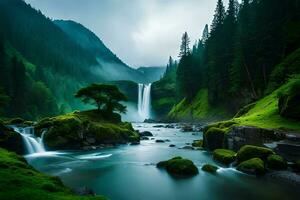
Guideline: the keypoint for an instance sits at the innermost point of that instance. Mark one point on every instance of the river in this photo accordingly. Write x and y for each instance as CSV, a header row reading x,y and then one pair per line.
x,y
128,172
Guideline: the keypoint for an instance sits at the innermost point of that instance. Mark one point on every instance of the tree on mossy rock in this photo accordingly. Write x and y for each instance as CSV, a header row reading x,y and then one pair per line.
x,y
106,97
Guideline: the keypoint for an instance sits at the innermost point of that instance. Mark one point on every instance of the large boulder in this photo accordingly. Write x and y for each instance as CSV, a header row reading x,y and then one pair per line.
x,y
276,162
209,168
224,156
146,134
82,129
179,166
253,166
239,136
197,143
11,140
248,152
213,138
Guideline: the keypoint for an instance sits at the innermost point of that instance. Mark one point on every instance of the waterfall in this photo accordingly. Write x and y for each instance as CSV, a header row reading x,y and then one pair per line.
x,y
32,143
144,100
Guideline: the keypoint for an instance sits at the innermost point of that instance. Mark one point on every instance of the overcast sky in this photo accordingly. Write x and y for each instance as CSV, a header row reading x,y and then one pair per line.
x,y
140,32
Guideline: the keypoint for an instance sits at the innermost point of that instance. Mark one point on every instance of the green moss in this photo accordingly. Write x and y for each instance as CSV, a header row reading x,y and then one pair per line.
x,y
213,138
265,113
209,168
20,181
179,166
71,131
252,166
198,109
197,143
224,156
276,162
288,103
248,151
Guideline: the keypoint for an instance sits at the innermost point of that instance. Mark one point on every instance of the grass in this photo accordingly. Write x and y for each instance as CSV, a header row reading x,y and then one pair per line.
x,y
19,181
198,109
265,113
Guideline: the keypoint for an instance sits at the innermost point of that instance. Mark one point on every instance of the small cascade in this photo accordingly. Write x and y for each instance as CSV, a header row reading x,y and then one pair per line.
x,y
32,143
144,100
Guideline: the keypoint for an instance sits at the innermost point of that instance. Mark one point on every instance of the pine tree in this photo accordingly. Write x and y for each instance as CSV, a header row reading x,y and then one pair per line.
x,y
185,45
205,34
219,16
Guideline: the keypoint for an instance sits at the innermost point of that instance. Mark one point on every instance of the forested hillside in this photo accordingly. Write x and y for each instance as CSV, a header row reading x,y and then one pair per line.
x,y
43,63
239,60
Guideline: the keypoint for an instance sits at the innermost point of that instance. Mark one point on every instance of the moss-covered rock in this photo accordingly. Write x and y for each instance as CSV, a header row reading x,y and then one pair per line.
x,y
213,138
11,140
82,129
197,143
276,162
253,166
248,151
179,166
209,168
224,156
20,181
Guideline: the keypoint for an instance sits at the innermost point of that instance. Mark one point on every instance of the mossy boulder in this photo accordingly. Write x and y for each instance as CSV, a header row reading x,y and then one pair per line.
x,y
83,129
179,166
276,162
288,102
248,151
213,138
253,166
11,140
21,181
224,156
197,143
209,168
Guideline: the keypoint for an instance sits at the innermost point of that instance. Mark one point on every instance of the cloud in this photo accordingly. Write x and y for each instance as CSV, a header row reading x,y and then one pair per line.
x,y
140,32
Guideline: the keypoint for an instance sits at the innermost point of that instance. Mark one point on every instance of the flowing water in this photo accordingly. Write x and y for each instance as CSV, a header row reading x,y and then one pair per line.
x,y
128,172
32,143
144,100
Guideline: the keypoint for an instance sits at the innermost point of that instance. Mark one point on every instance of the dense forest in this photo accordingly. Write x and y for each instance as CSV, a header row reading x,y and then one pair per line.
x,y
236,62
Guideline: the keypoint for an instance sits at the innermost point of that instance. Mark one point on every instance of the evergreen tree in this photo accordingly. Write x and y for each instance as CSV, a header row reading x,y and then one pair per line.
x,y
205,34
219,16
185,45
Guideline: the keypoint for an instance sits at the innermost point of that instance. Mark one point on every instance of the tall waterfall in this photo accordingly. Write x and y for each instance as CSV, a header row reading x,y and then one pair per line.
x,y
32,143
144,100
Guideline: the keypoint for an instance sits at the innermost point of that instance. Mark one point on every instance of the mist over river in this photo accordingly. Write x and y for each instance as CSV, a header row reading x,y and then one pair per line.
x,y
128,172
